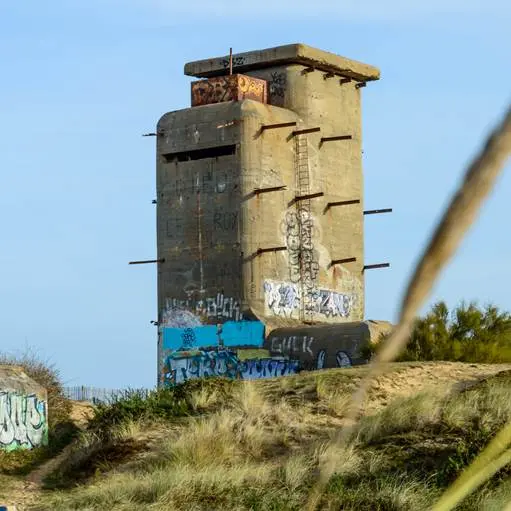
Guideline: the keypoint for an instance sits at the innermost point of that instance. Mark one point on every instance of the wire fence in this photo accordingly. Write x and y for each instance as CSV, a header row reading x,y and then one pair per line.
x,y
100,395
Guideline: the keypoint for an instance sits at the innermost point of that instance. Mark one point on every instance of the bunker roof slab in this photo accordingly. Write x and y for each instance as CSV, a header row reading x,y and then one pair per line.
x,y
282,55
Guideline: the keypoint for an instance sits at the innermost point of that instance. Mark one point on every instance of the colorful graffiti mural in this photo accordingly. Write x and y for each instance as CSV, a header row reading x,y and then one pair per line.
x,y
228,334
23,421
182,366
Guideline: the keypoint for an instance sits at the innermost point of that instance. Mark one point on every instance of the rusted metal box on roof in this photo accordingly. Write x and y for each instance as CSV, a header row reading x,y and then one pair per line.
x,y
228,88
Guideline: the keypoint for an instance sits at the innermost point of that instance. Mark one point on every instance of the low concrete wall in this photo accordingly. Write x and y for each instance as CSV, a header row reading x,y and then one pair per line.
x,y
23,410
325,346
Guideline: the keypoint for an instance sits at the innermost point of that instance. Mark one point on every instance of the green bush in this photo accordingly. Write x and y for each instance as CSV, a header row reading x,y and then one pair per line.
x,y
163,403
467,334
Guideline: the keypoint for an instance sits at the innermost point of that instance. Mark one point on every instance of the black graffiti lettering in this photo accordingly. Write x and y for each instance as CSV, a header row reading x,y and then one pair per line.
x,y
225,221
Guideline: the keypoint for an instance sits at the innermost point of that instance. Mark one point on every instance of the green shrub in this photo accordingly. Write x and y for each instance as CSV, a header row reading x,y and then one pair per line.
x,y
467,334
164,403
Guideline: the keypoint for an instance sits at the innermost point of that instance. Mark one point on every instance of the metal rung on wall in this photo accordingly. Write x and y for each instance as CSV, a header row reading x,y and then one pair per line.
x,y
162,260
308,196
342,203
342,261
305,131
279,125
339,137
273,249
258,191
374,266
376,211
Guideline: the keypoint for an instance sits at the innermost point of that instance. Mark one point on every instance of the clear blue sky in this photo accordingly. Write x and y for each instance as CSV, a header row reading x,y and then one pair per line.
x,y
81,80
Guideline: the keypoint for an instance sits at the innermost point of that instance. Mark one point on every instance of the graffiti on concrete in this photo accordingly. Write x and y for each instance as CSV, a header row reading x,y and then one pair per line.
x,y
303,264
256,368
292,343
277,84
236,61
342,359
320,362
231,333
182,366
284,299
190,313
23,421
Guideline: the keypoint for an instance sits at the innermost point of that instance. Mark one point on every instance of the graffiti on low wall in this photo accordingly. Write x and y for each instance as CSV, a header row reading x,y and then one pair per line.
x,y
23,421
284,299
292,344
182,366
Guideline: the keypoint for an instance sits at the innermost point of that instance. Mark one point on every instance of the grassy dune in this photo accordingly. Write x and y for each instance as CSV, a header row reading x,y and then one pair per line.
x,y
258,445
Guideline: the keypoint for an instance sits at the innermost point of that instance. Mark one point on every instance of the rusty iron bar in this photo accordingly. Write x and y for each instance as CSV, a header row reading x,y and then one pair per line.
x,y
272,249
279,125
342,81
376,211
342,261
308,70
328,75
360,85
342,203
230,61
162,260
339,137
305,131
374,266
257,191
299,198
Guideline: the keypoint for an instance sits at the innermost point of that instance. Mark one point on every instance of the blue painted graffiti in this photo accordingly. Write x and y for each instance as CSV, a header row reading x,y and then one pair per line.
x,y
182,366
256,368
228,334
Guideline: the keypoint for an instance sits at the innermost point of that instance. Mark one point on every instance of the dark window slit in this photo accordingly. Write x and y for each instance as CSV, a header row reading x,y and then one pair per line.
x,y
200,154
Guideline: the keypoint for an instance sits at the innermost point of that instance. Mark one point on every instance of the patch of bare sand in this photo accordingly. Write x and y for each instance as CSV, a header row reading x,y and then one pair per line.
x,y
413,378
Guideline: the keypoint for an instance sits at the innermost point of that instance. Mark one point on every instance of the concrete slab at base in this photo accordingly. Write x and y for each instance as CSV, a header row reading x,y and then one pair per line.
x,y
326,346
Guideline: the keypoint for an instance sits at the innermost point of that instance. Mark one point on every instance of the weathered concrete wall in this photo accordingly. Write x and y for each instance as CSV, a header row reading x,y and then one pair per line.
x,y
322,346
215,287
23,410
276,284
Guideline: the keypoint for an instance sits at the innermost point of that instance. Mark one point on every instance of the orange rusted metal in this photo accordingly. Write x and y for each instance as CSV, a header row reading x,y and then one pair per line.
x,y
228,88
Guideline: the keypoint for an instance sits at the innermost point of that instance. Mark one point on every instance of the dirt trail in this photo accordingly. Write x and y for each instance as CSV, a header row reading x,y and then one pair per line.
x,y
23,493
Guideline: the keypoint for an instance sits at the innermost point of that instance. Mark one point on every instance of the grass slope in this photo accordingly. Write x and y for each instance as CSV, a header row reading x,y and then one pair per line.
x,y
257,445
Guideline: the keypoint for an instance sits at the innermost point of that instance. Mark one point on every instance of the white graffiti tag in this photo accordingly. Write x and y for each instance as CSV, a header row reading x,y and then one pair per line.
x,y
189,313
292,344
285,298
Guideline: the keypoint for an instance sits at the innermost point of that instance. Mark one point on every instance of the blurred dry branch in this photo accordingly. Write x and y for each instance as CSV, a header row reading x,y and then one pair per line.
x,y
478,182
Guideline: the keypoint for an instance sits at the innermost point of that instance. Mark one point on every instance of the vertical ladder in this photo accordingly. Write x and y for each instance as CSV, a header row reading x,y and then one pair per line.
x,y
303,210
